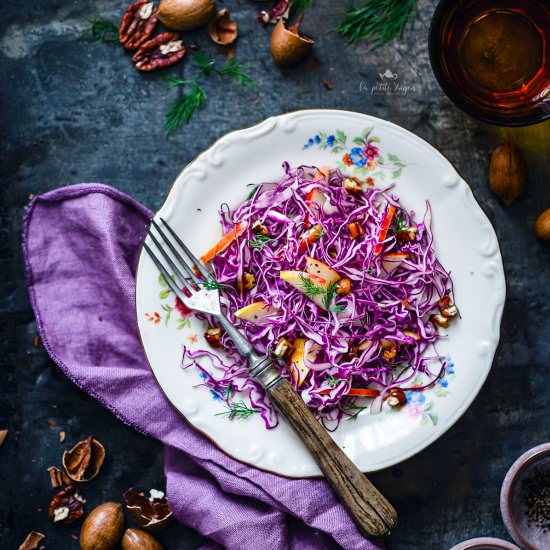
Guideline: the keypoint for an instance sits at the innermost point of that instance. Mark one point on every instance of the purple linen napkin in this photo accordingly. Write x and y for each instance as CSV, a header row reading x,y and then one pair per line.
x,y
80,248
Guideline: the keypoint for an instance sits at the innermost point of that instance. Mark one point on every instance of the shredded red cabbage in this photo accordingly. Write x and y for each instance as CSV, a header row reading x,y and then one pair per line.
x,y
382,306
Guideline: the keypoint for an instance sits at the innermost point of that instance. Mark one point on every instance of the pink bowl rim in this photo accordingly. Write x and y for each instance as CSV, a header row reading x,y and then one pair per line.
x,y
527,458
484,542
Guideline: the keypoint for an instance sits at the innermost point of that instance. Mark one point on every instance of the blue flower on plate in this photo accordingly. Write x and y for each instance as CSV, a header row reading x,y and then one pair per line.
x,y
443,382
358,157
330,140
416,398
309,143
215,396
317,139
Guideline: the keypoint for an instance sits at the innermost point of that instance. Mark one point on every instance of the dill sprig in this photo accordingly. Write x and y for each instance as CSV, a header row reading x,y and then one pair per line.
x,y
183,108
211,284
239,410
170,81
331,381
253,191
353,407
400,223
378,20
236,70
260,241
203,62
297,7
103,30
309,287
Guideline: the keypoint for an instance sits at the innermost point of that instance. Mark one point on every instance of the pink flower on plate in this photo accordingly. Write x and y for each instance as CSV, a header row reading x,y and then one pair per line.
x,y
371,151
414,412
182,309
371,164
192,338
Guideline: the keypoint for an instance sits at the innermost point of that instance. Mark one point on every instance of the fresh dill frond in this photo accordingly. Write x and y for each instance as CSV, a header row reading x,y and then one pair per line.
x,y
378,20
297,7
400,223
331,381
203,62
260,241
330,292
211,284
103,30
169,81
239,410
337,308
236,70
309,287
183,108
354,407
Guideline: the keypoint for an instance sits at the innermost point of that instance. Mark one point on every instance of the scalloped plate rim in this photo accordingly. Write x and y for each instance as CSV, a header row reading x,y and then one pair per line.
x,y
461,183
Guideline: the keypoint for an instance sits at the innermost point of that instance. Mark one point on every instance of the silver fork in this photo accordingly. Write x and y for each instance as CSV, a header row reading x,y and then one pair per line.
x,y
372,513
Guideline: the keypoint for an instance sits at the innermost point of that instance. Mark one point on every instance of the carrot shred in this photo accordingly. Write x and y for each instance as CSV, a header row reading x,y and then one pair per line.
x,y
384,229
225,241
356,392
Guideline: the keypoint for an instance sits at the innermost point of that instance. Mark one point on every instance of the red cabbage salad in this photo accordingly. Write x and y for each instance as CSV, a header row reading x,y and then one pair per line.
x,y
339,283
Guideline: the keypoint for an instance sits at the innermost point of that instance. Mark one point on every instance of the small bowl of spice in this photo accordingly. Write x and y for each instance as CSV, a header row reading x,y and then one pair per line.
x,y
525,499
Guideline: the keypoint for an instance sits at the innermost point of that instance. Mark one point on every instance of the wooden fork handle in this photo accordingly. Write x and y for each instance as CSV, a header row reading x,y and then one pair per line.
x,y
372,513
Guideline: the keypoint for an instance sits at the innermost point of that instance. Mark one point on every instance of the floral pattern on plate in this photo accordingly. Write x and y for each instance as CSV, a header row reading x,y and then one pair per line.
x,y
363,158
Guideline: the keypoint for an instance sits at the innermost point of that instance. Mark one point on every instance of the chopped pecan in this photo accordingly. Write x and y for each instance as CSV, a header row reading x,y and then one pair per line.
x,y
212,336
67,506
258,228
389,349
351,353
138,24
280,9
58,477
447,306
151,513
355,230
353,185
440,320
247,282
284,348
343,287
161,51
396,397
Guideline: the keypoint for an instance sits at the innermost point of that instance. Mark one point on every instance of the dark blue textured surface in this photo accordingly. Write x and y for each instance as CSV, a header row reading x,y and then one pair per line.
x,y
73,111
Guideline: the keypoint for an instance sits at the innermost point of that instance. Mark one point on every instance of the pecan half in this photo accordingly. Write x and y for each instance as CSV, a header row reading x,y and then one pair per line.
x,y
161,51
67,506
138,24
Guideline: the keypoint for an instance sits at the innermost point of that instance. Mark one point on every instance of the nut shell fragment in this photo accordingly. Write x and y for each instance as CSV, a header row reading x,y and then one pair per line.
x,y
222,29
31,542
287,45
136,539
152,514
84,460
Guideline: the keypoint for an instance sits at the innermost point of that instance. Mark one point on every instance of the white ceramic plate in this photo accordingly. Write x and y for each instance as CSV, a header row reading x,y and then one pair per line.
x,y
466,245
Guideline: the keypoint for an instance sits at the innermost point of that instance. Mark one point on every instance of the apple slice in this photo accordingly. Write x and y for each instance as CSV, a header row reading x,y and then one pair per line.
x,y
298,279
392,260
310,236
225,241
298,368
256,312
315,267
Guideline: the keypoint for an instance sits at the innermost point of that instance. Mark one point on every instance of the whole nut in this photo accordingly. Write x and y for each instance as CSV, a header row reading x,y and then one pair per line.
x,y
287,45
184,15
542,226
507,173
137,539
103,528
